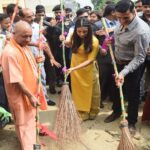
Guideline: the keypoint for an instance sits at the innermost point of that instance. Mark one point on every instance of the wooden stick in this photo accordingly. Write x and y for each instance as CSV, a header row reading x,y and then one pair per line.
x,y
13,16
39,84
62,31
116,71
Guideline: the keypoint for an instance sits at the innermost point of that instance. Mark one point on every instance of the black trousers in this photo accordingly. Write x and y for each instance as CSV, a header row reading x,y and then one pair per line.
x,y
50,73
131,90
106,78
3,97
106,72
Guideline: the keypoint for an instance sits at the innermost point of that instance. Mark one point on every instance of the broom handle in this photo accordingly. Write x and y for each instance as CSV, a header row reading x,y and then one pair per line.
x,y
116,71
63,43
13,16
39,81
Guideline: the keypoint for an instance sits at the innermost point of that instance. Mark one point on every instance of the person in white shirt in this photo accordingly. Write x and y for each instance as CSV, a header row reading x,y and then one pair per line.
x,y
27,15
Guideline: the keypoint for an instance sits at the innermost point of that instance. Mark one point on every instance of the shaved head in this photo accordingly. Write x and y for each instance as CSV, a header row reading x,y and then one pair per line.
x,y
22,33
21,26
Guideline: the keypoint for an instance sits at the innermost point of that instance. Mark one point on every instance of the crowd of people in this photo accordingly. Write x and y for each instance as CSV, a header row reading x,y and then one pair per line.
x,y
89,65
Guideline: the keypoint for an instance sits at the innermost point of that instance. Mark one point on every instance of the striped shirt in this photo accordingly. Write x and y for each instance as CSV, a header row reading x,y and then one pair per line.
x,y
131,44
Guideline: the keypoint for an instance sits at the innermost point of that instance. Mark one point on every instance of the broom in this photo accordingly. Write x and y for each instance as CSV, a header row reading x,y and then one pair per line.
x,y
37,146
67,126
126,140
40,97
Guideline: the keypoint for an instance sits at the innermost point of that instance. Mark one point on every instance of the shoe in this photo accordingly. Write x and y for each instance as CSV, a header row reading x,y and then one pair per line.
x,y
101,105
93,113
59,83
112,117
92,116
52,91
132,129
51,103
84,115
59,92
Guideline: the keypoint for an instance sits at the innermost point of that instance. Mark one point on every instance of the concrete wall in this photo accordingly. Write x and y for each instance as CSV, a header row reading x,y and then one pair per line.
x,y
49,4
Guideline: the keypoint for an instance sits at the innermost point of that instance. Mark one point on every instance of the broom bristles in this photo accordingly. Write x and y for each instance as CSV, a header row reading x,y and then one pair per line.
x,y
67,125
126,142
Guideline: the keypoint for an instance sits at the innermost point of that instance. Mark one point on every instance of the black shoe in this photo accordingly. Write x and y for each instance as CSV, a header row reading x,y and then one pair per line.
x,y
59,83
52,91
51,103
101,105
112,117
132,129
59,92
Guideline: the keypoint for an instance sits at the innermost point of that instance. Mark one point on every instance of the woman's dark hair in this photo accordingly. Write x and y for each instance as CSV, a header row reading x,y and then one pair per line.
x,y
77,41
124,5
108,10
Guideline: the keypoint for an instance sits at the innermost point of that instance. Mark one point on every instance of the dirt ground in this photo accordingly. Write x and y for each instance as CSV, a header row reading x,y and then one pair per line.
x,y
96,135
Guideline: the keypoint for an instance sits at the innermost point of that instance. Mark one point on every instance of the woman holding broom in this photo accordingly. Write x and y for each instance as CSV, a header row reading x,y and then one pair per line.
x,y
84,73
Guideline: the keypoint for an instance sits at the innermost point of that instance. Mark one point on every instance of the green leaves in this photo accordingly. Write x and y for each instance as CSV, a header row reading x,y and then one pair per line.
x,y
100,4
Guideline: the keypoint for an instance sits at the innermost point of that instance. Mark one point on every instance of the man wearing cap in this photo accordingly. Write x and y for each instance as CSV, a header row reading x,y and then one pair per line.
x,y
68,13
89,8
57,12
67,24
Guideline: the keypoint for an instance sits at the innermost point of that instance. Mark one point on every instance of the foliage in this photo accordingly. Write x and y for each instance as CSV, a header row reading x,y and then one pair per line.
x,y
100,4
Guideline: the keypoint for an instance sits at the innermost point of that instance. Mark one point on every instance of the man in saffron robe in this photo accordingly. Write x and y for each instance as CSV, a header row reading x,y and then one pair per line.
x,y
21,84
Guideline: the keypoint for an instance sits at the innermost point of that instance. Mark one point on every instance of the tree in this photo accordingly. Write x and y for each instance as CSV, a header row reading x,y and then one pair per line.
x,y
99,4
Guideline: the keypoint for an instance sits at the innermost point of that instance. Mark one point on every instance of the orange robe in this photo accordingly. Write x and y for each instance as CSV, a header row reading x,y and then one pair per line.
x,y
18,65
